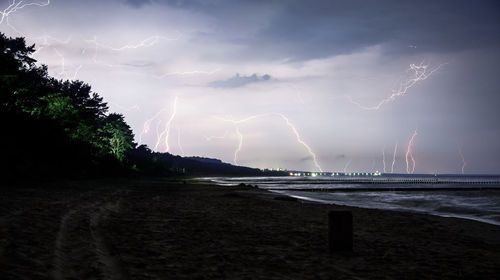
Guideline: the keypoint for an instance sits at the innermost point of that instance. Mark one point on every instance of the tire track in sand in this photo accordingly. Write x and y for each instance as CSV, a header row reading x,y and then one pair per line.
x,y
112,265
81,249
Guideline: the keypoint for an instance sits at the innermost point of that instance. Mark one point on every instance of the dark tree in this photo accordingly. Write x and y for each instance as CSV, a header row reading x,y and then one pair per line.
x,y
56,128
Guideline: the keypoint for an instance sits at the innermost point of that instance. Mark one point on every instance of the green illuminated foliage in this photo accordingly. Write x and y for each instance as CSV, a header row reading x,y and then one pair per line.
x,y
117,136
44,111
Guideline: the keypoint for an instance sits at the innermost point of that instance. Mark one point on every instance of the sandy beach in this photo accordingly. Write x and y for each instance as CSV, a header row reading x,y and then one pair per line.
x,y
154,229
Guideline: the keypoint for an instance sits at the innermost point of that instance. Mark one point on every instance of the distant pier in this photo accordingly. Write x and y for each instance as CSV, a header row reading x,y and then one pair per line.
x,y
389,189
389,182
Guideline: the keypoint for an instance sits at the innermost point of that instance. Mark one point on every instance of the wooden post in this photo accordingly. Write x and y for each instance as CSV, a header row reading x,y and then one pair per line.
x,y
340,235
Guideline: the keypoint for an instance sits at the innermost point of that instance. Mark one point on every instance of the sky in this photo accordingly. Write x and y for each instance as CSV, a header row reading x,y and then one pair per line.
x,y
356,86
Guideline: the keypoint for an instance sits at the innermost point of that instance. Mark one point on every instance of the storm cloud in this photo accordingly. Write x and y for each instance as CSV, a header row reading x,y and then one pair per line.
x,y
319,67
301,30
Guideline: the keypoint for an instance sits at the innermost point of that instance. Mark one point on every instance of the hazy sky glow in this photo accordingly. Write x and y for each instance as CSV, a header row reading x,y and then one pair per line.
x,y
290,84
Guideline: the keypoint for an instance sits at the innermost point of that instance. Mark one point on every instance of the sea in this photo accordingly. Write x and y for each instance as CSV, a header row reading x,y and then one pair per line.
x,y
469,197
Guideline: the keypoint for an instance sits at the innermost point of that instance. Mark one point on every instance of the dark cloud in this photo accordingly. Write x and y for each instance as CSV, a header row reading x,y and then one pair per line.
x,y
303,30
337,27
239,81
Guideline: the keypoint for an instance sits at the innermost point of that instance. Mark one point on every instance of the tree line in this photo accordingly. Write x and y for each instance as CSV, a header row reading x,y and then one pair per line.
x,y
61,128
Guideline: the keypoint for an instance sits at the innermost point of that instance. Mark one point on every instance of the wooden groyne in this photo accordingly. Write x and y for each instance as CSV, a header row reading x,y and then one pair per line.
x,y
387,184
417,181
379,189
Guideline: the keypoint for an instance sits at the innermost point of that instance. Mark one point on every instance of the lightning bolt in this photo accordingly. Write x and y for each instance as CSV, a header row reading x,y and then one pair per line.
x,y
147,42
238,133
158,133
383,157
147,125
394,157
96,48
347,165
166,131
299,139
46,44
464,163
419,72
288,123
240,145
179,141
13,7
409,154
63,63
77,70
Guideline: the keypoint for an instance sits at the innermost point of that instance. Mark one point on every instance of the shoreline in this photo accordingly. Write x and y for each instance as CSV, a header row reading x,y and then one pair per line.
x,y
313,193
150,229
406,210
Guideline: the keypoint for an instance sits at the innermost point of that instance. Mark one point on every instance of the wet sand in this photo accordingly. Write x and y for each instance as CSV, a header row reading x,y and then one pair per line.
x,y
152,229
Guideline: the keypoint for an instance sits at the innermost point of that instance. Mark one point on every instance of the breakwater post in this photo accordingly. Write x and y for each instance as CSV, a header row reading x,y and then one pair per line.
x,y
340,235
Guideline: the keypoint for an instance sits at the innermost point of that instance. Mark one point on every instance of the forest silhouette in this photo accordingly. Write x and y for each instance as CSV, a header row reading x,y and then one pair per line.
x,y
62,129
